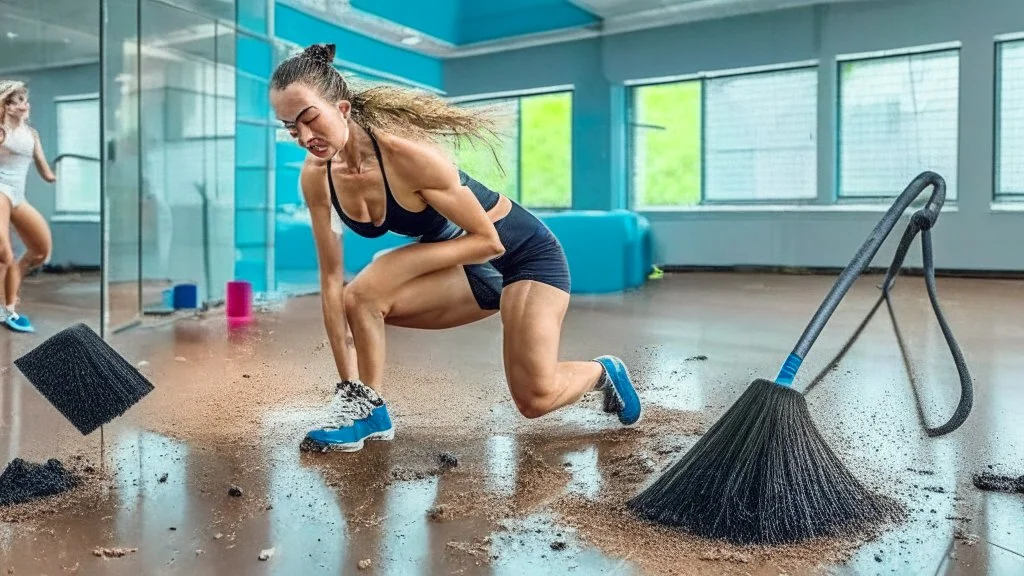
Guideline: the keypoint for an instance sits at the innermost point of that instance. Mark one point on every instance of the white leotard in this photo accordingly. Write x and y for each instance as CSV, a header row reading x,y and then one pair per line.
x,y
15,158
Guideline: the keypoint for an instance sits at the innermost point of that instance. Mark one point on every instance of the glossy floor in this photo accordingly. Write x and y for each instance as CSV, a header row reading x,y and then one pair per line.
x,y
232,403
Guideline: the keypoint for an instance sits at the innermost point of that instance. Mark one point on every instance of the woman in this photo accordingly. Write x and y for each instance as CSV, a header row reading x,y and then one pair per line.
x,y
19,147
373,158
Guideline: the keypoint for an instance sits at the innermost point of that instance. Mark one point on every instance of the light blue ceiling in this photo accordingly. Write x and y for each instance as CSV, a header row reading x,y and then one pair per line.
x,y
461,22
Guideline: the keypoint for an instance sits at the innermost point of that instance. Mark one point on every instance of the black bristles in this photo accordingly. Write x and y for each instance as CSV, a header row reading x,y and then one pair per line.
x,y
83,377
763,475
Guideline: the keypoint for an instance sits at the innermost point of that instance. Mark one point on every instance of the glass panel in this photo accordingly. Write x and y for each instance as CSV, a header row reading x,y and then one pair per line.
x,y
545,141
53,48
187,139
497,169
121,173
898,117
666,142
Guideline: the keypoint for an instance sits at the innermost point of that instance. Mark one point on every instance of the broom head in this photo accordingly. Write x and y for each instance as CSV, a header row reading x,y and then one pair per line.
x,y
763,475
83,377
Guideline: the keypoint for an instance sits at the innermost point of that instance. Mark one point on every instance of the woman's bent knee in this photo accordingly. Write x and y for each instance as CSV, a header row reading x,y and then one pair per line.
x,y
35,259
361,297
534,395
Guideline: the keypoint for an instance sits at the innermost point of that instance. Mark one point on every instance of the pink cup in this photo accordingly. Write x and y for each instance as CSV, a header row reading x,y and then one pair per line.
x,y
239,299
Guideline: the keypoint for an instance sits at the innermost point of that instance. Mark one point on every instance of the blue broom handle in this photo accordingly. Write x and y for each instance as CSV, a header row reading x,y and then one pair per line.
x,y
924,219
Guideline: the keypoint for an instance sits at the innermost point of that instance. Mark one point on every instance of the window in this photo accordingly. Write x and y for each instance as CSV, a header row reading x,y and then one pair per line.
x,y
535,151
760,136
897,118
725,138
666,141
1010,128
78,176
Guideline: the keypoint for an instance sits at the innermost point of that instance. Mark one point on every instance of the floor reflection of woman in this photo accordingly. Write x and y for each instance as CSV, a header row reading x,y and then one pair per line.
x,y
19,148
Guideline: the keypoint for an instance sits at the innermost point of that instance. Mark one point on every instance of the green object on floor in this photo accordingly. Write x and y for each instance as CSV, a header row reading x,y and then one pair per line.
x,y
656,273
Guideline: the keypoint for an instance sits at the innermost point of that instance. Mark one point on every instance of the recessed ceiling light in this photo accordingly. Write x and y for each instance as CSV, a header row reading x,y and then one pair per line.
x,y
12,35
411,40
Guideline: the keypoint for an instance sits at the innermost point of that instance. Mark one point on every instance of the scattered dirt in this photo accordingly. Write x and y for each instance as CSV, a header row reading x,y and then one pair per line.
x,y
698,358
478,548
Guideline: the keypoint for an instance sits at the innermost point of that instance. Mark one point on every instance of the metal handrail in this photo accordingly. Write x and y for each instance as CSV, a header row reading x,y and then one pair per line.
x,y
75,156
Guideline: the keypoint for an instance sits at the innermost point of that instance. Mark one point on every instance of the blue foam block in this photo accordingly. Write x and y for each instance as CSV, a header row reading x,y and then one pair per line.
x,y
186,296
608,251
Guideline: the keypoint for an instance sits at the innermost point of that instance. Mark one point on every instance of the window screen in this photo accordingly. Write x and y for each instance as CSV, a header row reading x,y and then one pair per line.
x,y
897,118
760,136
1010,159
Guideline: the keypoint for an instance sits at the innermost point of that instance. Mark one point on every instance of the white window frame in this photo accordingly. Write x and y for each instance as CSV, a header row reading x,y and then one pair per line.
x,y
66,209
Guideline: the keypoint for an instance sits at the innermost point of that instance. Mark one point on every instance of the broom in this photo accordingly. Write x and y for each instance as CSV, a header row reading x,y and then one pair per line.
x,y
83,377
763,474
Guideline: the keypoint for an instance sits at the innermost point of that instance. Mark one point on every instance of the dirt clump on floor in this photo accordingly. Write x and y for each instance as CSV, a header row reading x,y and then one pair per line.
x,y
113,552
998,483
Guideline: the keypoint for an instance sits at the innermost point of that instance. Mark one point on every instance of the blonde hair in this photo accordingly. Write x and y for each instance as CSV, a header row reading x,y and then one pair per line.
x,y
402,111
8,90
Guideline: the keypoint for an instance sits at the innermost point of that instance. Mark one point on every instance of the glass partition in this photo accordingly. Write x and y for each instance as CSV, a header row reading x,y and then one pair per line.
x,y
169,118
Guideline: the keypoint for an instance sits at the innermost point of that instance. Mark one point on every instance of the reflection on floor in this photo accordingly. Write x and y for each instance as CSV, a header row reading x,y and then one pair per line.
x,y
232,404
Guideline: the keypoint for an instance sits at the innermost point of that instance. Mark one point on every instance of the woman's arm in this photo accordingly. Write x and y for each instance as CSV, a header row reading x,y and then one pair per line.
x,y
332,277
41,164
437,180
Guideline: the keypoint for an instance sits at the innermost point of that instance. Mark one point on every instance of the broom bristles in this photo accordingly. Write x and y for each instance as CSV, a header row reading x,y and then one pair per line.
x,y
763,475
83,377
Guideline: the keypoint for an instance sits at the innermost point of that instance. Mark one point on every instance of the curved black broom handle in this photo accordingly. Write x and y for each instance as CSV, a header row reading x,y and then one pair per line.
x,y
925,218
966,402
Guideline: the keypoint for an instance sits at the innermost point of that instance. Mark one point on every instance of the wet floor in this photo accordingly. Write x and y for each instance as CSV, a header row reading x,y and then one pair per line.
x,y
527,497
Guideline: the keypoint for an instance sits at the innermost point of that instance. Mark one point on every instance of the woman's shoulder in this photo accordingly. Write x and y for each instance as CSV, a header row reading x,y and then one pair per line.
x,y
415,157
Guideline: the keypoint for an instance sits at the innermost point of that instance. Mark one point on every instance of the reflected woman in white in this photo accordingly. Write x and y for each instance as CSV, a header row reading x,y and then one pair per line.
x,y
19,147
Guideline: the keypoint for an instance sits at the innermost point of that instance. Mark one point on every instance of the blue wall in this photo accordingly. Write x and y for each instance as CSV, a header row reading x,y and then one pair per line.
x,y
436,18
482,20
296,26
974,233
467,21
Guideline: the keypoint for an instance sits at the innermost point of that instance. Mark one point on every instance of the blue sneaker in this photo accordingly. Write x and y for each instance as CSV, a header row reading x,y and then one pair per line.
x,y
364,415
620,396
350,438
19,323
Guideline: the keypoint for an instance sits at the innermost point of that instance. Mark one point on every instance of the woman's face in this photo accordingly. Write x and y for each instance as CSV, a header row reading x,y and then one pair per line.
x,y
317,125
16,106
